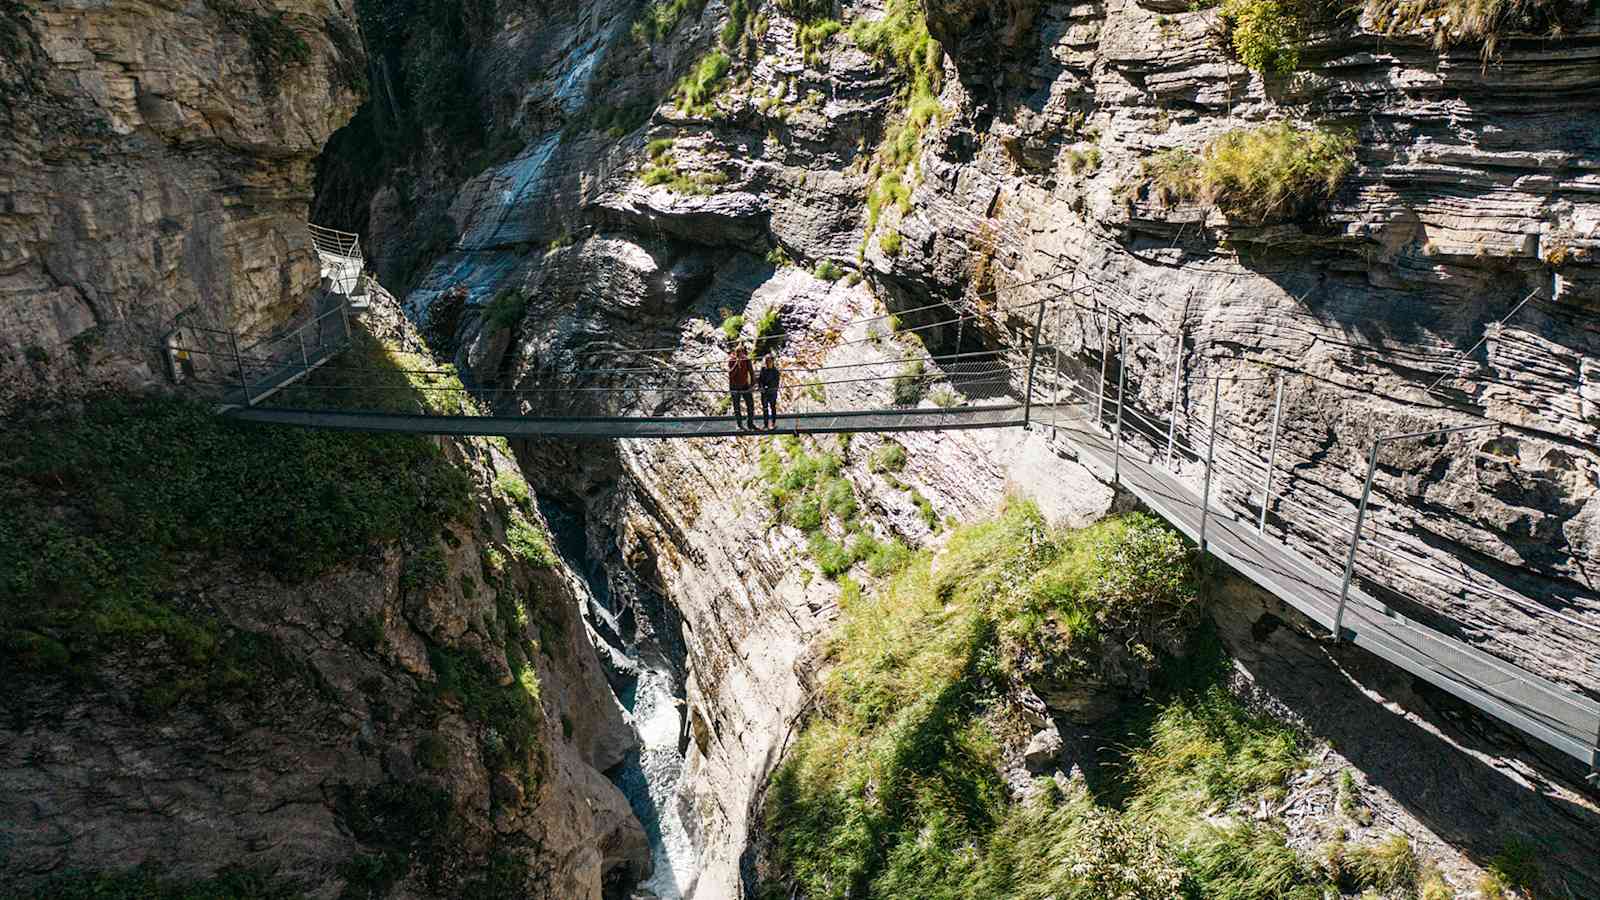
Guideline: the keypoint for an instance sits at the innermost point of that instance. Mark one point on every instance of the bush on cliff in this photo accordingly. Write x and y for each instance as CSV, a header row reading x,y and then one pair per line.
x,y
1275,170
895,788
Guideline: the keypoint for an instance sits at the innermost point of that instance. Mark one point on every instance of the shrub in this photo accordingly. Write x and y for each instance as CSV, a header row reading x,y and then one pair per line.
x,y
1485,21
895,787
528,544
1144,572
658,19
828,271
659,147
811,37
732,327
1276,170
891,457
839,499
1391,865
1174,176
1515,866
697,89
767,327
910,384
506,310
886,558
832,557
1264,35
514,488
891,243
945,398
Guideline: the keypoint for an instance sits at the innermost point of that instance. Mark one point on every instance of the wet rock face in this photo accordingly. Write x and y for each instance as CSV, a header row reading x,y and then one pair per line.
x,y
155,157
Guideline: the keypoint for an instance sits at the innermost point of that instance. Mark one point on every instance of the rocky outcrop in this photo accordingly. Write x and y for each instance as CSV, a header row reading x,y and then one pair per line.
x,y
154,157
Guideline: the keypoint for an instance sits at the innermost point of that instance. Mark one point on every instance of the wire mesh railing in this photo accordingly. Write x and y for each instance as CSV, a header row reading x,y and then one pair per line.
x,y
1264,483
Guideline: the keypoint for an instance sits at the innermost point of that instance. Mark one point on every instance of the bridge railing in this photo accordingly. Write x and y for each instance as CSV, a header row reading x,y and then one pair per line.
x,y
1254,478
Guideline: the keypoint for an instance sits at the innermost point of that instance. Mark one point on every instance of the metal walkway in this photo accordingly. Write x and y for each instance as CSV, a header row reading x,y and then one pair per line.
x,y
1556,715
596,428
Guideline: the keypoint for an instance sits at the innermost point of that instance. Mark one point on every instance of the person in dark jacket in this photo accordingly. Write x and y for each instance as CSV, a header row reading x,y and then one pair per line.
x,y
769,378
741,378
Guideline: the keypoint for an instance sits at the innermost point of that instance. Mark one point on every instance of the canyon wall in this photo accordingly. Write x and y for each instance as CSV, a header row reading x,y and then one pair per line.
x,y
157,157
653,197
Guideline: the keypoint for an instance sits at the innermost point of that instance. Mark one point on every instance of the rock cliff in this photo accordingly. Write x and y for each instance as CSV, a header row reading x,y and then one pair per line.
x,y
610,177
374,688
157,156
689,162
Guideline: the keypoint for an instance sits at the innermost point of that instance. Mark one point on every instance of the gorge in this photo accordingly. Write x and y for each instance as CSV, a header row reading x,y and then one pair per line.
x,y
259,661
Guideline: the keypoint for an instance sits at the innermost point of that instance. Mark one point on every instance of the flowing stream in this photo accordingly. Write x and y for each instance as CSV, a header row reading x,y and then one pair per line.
x,y
643,655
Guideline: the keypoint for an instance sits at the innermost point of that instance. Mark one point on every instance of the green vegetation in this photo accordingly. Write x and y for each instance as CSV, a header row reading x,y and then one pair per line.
x,y
910,385
697,90
769,330
1478,21
505,310
274,46
732,327
529,544
1516,866
890,243
895,789
1265,35
509,714
891,457
664,170
779,258
1276,169
812,36
1086,162
109,507
149,883
901,42
806,491
661,17
1391,865
1173,175
945,397
828,271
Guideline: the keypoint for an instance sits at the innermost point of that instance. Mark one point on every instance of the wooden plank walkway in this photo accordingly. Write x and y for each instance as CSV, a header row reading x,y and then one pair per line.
x,y
1556,715
597,428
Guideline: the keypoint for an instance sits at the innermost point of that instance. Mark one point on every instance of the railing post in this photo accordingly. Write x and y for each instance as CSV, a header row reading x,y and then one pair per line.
x,y
1033,360
1355,541
1122,401
1211,451
1105,357
1055,401
305,359
1272,458
1177,388
344,317
238,361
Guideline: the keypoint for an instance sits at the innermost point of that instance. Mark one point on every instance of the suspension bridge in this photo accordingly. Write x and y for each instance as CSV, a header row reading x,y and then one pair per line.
x,y
1046,364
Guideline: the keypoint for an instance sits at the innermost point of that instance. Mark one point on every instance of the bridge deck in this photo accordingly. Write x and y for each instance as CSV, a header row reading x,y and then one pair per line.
x,y
592,428
1556,715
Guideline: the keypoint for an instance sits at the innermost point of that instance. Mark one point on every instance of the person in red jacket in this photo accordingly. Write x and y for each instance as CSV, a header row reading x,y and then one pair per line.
x,y
741,380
